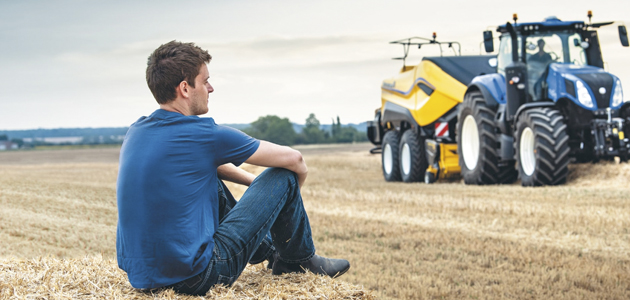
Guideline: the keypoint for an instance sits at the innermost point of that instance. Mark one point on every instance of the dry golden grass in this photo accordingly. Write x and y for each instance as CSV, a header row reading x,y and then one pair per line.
x,y
95,278
405,241
66,210
449,240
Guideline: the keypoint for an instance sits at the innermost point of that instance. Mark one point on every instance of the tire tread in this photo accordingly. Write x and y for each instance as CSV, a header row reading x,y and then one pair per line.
x,y
488,169
551,145
392,138
418,157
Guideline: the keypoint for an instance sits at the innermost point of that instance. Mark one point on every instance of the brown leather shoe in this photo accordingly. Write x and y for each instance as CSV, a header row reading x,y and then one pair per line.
x,y
317,265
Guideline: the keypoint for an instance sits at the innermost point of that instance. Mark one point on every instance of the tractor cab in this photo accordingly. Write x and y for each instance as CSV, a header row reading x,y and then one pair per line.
x,y
555,60
551,41
540,44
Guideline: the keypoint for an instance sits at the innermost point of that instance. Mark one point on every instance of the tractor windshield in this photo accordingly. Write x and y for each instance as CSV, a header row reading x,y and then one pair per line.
x,y
561,47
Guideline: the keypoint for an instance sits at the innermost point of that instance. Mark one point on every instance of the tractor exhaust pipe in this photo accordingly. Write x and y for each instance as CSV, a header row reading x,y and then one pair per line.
x,y
515,79
514,38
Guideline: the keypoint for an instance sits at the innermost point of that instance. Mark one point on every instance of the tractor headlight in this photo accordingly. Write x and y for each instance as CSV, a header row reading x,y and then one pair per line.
x,y
617,97
583,95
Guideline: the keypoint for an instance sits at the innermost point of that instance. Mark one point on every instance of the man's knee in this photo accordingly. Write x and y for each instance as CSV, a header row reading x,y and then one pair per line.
x,y
280,174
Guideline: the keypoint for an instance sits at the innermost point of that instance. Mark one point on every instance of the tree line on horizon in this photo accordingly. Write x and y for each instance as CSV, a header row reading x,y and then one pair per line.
x,y
280,131
270,128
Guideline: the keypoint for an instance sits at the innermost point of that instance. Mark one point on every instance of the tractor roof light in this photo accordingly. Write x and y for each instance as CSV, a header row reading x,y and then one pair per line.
x,y
583,95
617,98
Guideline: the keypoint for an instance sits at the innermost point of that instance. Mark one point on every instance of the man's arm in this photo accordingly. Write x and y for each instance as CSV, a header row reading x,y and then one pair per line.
x,y
235,174
272,155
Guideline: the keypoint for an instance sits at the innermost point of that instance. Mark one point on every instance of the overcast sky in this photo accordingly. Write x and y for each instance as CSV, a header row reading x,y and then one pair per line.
x,y
82,63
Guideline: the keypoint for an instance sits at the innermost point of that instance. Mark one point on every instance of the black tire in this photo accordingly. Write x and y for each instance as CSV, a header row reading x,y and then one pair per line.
x,y
389,156
480,162
542,147
412,157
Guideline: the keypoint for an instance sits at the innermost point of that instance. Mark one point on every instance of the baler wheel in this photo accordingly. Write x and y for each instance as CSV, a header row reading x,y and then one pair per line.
x,y
390,156
413,158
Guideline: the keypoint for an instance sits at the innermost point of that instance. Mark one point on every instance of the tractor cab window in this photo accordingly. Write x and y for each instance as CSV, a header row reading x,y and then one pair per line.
x,y
560,47
504,57
541,50
577,50
544,49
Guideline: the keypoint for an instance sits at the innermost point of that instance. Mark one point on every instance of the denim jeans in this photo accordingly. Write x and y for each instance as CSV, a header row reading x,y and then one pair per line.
x,y
269,217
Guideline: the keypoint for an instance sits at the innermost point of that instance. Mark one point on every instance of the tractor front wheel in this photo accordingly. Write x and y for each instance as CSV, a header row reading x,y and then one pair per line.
x,y
542,147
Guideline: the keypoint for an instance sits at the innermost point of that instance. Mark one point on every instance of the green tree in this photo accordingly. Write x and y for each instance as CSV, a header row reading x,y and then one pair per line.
x,y
273,129
346,134
312,133
311,121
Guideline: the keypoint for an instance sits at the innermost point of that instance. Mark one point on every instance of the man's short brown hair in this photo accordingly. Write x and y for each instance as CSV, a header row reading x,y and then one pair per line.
x,y
171,64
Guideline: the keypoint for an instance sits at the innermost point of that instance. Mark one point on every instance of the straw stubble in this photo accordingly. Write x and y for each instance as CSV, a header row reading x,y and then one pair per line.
x,y
405,241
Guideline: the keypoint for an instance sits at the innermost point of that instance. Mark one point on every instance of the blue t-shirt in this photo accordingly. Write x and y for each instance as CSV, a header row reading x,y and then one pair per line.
x,y
167,195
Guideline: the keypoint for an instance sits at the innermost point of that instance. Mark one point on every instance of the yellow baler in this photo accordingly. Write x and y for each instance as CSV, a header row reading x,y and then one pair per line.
x,y
415,126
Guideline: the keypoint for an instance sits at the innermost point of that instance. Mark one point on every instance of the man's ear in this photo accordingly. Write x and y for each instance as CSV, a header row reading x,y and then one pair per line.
x,y
183,89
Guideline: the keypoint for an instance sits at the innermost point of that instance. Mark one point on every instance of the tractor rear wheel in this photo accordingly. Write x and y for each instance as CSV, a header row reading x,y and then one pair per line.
x,y
478,145
542,147
389,156
413,159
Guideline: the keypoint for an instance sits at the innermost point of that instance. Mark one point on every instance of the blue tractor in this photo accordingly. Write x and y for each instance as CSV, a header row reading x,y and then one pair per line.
x,y
550,103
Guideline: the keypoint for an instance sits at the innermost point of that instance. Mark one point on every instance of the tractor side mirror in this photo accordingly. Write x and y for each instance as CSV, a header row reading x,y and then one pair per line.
x,y
623,35
488,41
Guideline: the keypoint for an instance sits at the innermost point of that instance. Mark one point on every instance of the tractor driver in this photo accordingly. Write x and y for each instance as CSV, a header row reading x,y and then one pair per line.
x,y
537,64
541,56
178,225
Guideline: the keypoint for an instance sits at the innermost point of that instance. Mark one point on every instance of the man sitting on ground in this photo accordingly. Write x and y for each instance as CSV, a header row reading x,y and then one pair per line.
x,y
178,225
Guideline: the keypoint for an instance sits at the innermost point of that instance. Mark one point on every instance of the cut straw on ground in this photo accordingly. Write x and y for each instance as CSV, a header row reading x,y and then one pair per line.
x,y
93,277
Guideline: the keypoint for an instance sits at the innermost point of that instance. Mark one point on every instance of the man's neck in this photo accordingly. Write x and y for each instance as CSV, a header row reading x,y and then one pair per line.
x,y
176,106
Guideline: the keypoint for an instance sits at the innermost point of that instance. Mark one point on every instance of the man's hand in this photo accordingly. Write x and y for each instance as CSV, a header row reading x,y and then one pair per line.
x,y
272,155
235,174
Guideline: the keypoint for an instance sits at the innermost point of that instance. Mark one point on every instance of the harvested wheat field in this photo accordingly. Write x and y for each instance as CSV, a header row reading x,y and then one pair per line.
x,y
95,278
405,241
